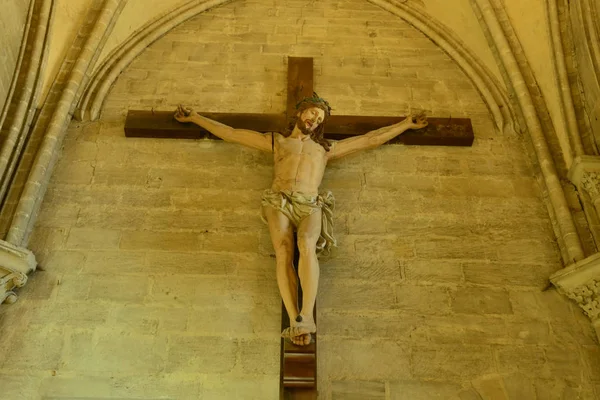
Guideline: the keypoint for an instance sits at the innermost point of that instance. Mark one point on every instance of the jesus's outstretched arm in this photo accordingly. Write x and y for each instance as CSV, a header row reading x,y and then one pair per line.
x,y
377,137
245,137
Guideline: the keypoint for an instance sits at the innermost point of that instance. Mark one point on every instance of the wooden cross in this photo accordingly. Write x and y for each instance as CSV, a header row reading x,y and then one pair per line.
x,y
298,373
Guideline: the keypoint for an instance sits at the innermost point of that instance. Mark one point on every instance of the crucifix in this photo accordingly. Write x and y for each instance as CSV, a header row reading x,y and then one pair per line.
x,y
298,216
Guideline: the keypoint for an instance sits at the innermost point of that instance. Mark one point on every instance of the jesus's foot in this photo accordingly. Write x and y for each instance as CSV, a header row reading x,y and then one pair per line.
x,y
299,333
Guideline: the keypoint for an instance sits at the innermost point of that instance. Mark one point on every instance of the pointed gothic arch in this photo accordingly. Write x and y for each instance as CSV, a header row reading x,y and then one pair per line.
x,y
493,94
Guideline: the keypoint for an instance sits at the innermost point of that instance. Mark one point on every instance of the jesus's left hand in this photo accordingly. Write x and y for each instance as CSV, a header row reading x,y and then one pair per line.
x,y
416,120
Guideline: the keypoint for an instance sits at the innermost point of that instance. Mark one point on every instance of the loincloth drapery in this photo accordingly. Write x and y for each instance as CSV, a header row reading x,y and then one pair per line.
x,y
297,206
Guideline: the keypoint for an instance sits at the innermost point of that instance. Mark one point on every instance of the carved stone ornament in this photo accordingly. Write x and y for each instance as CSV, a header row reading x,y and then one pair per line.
x,y
581,282
585,174
15,264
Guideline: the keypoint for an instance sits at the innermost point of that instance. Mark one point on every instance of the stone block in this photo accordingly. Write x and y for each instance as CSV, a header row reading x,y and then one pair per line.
x,y
547,305
363,267
115,175
44,240
528,251
74,173
65,261
245,220
361,360
125,289
124,353
419,271
58,387
573,334
201,354
115,262
390,325
356,296
77,354
357,390
468,329
475,186
147,320
367,224
481,301
592,362
194,263
393,181
20,387
422,299
146,198
565,362
217,199
160,240
89,238
58,216
37,348
386,246
528,360
103,217
519,387
418,390
490,166
257,387
73,287
230,242
559,389
469,394
42,285
467,248
529,331
490,388
340,179
451,362
260,356
502,274
189,290
244,320
195,220
156,386
449,166
526,187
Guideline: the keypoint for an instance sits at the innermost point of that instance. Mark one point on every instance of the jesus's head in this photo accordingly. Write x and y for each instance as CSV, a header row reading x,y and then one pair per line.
x,y
311,115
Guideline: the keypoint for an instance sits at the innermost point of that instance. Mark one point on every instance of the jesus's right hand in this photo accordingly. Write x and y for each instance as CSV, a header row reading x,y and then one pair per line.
x,y
184,114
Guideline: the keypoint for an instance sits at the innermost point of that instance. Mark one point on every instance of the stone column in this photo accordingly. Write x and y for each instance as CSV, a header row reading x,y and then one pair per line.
x,y
15,264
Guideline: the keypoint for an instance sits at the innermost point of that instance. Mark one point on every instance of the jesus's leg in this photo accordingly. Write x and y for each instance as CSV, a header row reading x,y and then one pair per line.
x,y
308,267
282,237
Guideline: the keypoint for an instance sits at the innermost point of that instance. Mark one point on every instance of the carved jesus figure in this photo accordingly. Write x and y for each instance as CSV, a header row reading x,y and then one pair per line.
x,y
293,203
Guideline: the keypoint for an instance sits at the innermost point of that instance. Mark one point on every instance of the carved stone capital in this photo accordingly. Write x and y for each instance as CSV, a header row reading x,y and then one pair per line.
x,y
585,174
581,283
15,264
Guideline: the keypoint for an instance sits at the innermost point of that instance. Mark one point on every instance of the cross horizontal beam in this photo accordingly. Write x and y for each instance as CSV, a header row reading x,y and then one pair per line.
x,y
161,124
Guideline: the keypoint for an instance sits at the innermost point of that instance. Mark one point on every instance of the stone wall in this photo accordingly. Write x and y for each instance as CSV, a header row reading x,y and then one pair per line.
x,y
12,23
159,275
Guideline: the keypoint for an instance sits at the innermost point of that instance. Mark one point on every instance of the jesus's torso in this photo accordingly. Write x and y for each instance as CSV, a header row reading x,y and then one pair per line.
x,y
299,164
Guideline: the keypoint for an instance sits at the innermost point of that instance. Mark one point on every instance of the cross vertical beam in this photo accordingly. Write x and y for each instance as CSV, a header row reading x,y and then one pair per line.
x,y
298,364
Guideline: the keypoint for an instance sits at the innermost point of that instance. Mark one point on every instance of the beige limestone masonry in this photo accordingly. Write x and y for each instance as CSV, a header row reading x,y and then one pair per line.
x,y
159,275
459,18
12,23
69,16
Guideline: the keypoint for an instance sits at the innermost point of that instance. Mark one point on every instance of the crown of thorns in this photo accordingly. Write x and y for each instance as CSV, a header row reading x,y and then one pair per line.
x,y
317,101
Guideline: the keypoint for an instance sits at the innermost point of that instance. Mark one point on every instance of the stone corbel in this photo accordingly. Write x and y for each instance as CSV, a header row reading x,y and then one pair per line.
x,y
15,264
585,174
581,282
